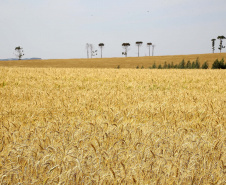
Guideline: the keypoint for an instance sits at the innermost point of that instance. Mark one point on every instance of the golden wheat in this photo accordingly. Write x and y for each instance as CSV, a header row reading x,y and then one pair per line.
x,y
112,126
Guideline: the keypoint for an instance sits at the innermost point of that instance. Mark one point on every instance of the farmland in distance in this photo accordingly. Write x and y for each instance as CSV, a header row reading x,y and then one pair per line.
x,y
126,62
109,126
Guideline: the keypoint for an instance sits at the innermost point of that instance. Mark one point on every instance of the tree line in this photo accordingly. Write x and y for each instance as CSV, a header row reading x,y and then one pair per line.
x,y
217,64
182,65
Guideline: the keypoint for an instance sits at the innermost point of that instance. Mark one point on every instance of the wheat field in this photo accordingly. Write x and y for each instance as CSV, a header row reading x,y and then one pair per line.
x,y
112,126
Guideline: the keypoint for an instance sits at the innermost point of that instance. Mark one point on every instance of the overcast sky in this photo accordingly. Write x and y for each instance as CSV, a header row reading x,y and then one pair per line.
x,y
61,28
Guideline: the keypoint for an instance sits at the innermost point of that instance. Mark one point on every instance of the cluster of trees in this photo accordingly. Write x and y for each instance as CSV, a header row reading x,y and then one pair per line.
x,y
182,65
219,64
221,38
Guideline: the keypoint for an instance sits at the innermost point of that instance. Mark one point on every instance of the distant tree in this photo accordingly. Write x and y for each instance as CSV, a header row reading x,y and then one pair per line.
x,y
149,46
188,65
125,46
213,44
222,64
172,65
193,65
139,43
19,52
219,64
169,66
160,66
165,65
182,64
205,65
221,42
101,45
154,66
215,64
197,63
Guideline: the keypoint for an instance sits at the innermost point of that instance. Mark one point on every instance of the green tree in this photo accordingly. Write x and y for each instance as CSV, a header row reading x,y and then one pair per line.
x,y
182,64
154,66
215,64
205,65
188,65
222,64
172,65
165,65
219,64
193,65
197,63
160,66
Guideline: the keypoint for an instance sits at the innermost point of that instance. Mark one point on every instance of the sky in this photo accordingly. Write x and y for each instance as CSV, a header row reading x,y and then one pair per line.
x,y
60,29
